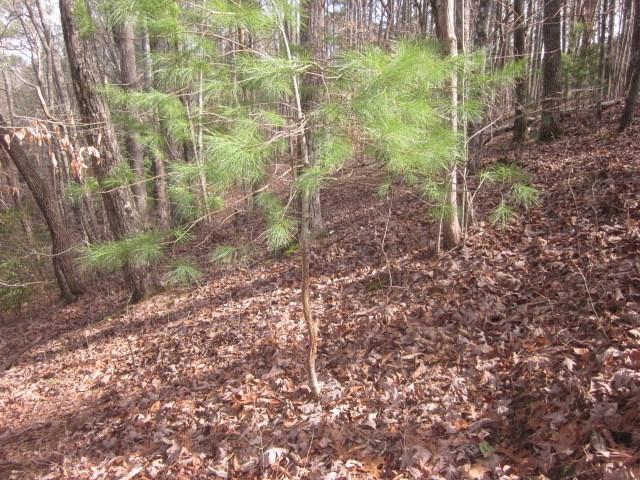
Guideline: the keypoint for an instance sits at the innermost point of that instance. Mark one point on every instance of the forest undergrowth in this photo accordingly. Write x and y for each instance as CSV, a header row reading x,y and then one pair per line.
x,y
514,356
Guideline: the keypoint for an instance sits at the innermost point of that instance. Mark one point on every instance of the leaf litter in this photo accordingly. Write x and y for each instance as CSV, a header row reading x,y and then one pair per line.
x,y
515,356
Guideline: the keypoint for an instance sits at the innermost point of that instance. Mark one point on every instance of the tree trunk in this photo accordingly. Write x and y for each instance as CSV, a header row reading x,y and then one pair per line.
x,y
634,73
312,39
16,197
479,36
68,278
11,178
84,213
123,216
601,55
520,122
609,54
445,15
124,34
304,237
551,86
163,211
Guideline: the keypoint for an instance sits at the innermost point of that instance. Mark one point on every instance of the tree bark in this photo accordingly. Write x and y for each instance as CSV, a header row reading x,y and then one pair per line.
x,y
445,15
312,38
551,86
601,55
634,73
163,211
67,276
85,213
304,162
124,34
520,122
16,197
479,36
122,214
11,178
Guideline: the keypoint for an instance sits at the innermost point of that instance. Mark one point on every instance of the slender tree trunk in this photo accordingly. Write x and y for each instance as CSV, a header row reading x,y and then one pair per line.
x,y
520,122
634,73
479,36
163,211
124,34
62,245
85,213
609,55
304,238
551,86
445,11
312,38
601,56
124,218
535,48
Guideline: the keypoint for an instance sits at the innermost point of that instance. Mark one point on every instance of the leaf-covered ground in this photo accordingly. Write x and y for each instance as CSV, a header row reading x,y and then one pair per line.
x,y
514,356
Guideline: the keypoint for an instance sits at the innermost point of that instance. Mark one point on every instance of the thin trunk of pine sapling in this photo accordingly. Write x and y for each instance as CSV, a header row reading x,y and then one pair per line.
x,y
312,328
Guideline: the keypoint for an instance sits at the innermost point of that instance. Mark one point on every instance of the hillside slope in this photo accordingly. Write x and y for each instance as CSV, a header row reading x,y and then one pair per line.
x,y
515,355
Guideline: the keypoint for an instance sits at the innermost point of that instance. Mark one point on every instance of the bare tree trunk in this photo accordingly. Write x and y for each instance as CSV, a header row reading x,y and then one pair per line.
x,y
11,178
304,237
479,36
601,56
634,73
312,38
520,122
535,51
85,213
445,11
609,55
124,34
123,216
551,86
163,211
68,278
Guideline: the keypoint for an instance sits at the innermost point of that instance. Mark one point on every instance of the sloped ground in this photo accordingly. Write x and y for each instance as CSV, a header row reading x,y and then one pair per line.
x,y
513,356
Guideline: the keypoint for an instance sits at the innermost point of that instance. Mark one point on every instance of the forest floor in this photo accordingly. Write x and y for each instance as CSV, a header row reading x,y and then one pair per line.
x,y
515,356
